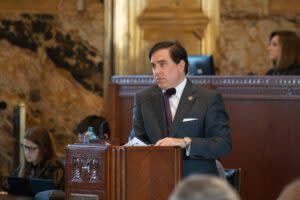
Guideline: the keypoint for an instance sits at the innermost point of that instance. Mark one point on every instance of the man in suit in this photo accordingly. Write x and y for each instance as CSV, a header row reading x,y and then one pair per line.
x,y
197,119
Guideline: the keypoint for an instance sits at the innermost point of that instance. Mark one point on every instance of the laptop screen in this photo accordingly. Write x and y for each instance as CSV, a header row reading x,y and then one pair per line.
x,y
39,185
28,186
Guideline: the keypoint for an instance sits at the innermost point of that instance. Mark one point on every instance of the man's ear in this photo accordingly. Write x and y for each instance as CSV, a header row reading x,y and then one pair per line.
x,y
181,65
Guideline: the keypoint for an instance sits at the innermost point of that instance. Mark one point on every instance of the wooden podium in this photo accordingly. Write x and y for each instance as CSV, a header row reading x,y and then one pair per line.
x,y
97,171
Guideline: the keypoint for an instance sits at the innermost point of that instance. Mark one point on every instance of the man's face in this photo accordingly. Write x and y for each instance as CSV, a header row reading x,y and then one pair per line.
x,y
166,72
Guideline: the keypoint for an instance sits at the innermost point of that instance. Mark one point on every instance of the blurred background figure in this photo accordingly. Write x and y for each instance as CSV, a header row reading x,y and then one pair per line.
x,y
284,53
291,191
92,121
204,187
40,160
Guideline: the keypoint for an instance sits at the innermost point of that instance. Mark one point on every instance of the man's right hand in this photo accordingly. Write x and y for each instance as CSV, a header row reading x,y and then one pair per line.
x,y
168,141
3,192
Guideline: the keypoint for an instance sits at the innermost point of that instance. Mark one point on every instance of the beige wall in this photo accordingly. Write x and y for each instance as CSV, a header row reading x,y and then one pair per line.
x,y
245,29
51,59
32,6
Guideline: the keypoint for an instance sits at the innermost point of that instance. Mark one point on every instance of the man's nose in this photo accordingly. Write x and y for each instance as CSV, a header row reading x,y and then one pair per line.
x,y
157,70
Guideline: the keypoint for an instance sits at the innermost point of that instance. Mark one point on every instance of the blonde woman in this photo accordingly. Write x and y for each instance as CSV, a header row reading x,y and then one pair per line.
x,y
284,53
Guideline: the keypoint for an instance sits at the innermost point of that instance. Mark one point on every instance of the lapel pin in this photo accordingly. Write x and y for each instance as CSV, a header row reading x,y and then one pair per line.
x,y
190,98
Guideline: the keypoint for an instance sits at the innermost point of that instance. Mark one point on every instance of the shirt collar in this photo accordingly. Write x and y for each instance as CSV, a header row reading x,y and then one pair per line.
x,y
180,87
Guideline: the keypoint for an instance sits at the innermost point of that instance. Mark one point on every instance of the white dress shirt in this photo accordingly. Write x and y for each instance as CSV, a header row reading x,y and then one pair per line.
x,y
174,99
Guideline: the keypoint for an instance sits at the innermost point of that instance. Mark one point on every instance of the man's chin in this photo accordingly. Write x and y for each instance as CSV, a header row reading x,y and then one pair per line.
x,y
162,86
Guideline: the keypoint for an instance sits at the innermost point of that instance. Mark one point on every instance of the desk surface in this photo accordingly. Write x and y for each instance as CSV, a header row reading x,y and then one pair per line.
x,y
14,197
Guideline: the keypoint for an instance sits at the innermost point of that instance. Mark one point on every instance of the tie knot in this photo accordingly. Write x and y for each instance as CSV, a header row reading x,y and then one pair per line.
x,y
169,92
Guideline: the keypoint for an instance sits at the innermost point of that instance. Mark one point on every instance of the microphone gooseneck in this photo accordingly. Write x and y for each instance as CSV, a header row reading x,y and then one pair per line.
x,y
170,91
101,130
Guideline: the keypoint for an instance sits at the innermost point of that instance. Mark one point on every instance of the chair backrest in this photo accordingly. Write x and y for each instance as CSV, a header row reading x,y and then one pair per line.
x,y
233,176
201,65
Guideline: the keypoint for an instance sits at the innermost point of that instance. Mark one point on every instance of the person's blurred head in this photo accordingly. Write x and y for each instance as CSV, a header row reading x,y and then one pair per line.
x,y
169,63
274,48
31,151
291,191
204,187
284,49
39,149
38,145
93,121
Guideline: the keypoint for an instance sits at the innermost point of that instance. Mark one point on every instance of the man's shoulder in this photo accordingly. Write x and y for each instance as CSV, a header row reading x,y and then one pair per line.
x,y
148,91
203,91
203,94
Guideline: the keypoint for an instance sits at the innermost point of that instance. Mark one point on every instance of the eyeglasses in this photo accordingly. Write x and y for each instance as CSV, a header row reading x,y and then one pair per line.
x,y
30,149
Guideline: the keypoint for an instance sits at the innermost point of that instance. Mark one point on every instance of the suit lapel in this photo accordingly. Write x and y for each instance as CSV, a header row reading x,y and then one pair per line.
x,y
186,101
158,108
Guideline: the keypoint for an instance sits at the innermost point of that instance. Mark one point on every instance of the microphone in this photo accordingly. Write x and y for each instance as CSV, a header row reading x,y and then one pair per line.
x,y
169,92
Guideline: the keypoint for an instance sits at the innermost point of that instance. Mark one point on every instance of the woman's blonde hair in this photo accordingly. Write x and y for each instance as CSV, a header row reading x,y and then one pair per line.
x,y
289,44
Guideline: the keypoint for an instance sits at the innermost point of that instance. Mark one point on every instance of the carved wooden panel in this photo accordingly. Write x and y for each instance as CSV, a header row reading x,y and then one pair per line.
x,y
85,166
128,173
87,169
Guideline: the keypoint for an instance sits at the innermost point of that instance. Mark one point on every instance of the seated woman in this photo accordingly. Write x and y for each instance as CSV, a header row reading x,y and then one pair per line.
x,y
284,53
40,160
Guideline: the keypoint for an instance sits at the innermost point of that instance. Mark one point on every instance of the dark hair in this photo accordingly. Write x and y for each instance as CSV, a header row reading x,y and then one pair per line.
x,y
289,43
94,121
47,151
176,50
204,187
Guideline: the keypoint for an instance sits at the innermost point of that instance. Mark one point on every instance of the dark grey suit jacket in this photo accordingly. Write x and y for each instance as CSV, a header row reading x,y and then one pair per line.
x,y
210,133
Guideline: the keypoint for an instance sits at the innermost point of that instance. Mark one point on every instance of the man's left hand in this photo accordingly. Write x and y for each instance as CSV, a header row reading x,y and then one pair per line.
x,y
171,142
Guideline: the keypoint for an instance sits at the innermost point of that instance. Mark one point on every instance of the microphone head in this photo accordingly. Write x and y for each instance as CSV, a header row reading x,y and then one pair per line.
x,y
170,91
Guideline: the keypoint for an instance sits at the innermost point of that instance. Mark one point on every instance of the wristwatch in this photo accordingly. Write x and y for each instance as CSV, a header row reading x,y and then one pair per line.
x,y
187,141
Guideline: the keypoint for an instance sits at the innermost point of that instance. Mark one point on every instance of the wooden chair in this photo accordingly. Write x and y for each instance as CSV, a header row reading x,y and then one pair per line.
x,y
233,176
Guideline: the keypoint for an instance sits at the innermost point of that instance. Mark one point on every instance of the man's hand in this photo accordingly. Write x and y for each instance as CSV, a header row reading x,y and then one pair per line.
x,y
3,192
171,142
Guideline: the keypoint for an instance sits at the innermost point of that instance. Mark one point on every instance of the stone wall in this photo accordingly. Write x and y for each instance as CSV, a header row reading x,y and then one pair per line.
x,y
245,29
53,63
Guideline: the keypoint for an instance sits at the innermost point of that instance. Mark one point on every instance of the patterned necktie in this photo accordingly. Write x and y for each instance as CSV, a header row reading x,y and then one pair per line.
x,y
168,112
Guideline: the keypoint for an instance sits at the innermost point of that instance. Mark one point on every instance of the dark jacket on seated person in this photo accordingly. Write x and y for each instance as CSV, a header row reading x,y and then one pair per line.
x,y
52,170
284,52
40,159
292,70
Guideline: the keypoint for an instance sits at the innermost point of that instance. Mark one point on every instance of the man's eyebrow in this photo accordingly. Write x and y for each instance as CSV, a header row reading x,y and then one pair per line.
x,y
160,61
